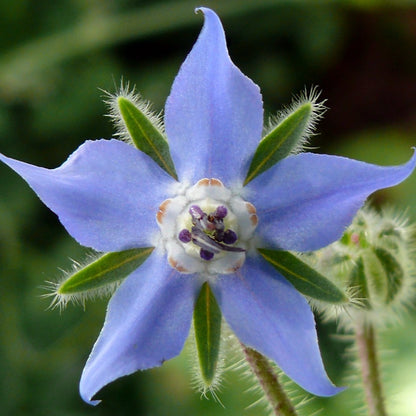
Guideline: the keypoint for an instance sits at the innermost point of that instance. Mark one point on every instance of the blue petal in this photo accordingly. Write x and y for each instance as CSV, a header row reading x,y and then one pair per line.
x,y
306,201
106,194
268,314
214,113
147,322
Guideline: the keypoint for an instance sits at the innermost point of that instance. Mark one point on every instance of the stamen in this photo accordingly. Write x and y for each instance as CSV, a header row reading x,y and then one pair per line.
x,y
208,232
204,241
185,236
221,212
229,237
206,255
196,212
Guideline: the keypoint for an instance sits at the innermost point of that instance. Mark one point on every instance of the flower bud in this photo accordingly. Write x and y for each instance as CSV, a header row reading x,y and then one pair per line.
x,y
373,261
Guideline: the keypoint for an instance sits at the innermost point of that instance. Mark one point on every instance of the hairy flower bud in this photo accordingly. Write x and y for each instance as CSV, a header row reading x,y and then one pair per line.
x,y
373,261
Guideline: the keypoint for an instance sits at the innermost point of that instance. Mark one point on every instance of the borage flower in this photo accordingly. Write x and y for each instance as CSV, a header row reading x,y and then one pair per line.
x,y
207,228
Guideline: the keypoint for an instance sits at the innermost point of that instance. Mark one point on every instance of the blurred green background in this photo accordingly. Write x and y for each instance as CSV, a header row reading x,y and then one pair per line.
x,y
54,59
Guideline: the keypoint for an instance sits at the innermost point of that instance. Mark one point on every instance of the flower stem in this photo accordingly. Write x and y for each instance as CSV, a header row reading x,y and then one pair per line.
x,y
370,372
269,382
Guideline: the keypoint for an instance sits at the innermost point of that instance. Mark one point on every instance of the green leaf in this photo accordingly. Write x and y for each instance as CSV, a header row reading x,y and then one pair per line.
x,y
207,325
106,270
281,141
145,135
303,277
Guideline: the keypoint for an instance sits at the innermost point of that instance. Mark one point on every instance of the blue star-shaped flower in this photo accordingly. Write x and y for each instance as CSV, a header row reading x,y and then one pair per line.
x,y
206,228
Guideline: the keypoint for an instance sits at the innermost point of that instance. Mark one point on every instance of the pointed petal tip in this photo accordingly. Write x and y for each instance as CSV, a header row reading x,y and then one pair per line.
x,y
87,391
213,24
405,170
328,390
412,161
204,10
410,165
88,399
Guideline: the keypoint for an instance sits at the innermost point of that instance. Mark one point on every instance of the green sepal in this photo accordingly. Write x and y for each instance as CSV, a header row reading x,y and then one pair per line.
x,y
146,136
303,277
375,275
358,282
394,272
384,273
281,141
207,326
107,269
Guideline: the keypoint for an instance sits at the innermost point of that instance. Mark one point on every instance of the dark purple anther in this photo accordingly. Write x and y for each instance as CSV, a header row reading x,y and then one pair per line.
x,y
229,237
220,212
196,212
205,254
185,236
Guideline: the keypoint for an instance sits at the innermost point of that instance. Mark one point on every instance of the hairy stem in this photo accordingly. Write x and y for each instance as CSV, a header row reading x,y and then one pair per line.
x,y
269,382
370,372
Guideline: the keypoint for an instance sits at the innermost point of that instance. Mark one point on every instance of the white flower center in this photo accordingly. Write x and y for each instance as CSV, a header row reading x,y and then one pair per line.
x,y
206,229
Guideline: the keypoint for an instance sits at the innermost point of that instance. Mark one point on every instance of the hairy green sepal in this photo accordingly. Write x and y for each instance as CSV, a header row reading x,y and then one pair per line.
x,y
394,273
108,269
281,141
207,325
358,281
303,277
383,275
146,136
